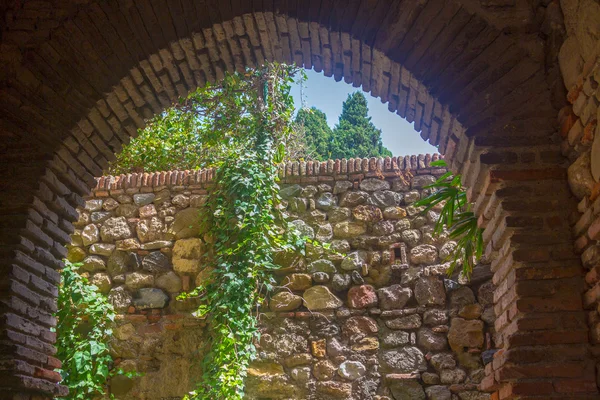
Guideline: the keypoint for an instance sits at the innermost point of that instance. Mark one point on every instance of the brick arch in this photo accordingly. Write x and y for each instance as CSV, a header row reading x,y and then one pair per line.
x,y
81,85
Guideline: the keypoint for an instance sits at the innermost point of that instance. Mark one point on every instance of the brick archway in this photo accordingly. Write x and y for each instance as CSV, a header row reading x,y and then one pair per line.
x,y
78,81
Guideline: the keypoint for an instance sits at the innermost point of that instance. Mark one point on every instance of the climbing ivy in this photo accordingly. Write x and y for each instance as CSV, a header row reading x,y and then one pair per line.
x,y
456,217
84,320
243,219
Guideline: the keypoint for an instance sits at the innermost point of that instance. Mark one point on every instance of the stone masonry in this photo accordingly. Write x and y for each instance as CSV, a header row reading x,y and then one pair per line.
x,y
376,319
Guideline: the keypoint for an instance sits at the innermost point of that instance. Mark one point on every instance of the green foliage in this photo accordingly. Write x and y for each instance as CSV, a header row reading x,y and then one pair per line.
x,y
316,131
84,327
243,221
455,216
203,129
355,135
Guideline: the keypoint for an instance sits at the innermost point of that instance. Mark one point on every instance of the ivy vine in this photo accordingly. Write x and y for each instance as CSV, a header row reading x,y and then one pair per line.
x,y
242,219
85,317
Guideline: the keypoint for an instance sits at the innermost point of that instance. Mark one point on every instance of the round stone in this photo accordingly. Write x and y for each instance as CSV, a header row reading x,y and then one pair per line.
x,y
285,301
351,370
320,298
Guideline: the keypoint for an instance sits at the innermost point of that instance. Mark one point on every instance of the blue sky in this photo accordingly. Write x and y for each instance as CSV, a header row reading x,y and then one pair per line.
x,y
328,95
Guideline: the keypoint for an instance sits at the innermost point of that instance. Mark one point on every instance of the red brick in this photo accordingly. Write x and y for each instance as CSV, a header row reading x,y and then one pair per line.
x,y
575,386
47,374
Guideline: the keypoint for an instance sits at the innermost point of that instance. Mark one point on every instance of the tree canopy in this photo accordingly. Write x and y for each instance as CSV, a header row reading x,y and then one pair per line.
x,y
355,135
317,133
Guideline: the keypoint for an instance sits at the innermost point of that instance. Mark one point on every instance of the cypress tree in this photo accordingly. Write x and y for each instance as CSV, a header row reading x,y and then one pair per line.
x,y
355,135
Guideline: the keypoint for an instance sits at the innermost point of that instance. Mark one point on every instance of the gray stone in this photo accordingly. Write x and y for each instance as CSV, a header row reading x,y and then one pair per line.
x,y
430,378
395,339
471,395
435,317
438,392
383,228
118,263
120,298
429,291
137,280
354,260
441,361
341,186
93,205
90,234
373,184
335,348
170,282
326,201
341,282
420,181
357,277
423,254
156,262
322,266
324,233
93,264
393,297
452,376
320,277
102,249
100,216
385,198
351,370
411,197
404,360
110,204
394,213
302,228
447,250
431,341
407,389
409,322
347,230
461,297
339,214
150,298
353,199
300,374
141,199
127,211
410,236
181,201
149,230
404,224
309,191
157,244
115,228
290,191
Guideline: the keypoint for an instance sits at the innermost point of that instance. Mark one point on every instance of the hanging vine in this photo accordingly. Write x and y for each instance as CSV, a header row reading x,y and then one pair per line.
x,y
242,219
85,318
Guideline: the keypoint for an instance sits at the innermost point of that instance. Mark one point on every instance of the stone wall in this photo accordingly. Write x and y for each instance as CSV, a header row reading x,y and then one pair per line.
x,y
580,65
379,319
